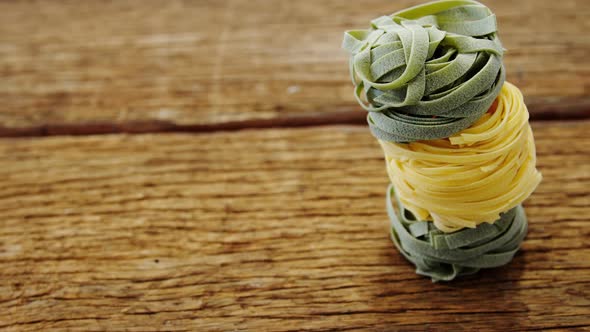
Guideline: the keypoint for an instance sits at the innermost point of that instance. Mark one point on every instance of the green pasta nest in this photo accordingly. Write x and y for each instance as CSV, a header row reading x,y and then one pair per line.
x,y
445,256
427,72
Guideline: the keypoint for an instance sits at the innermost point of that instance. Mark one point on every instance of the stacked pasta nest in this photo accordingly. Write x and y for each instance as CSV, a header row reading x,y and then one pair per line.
x,y
459,149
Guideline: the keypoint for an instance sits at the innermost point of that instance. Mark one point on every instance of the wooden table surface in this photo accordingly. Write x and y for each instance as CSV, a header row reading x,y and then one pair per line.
x,y
202,166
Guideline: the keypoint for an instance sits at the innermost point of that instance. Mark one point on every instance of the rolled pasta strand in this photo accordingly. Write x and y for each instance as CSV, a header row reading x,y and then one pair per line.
x,y
472,176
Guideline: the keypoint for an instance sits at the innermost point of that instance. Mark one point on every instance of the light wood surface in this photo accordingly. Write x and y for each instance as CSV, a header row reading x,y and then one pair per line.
x,y
201,206
263,230
70,67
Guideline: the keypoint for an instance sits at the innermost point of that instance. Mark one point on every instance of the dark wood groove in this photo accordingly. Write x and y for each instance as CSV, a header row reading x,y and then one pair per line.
x,y
344,117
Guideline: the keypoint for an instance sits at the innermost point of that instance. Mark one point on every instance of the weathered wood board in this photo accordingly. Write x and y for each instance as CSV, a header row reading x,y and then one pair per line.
x,y
261,230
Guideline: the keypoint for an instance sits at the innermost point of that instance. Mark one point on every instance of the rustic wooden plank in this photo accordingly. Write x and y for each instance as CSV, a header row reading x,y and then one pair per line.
x,y
259,230
153,65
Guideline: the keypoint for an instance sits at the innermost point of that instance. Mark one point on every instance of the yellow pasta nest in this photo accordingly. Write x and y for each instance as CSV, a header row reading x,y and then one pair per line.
x,y
472,176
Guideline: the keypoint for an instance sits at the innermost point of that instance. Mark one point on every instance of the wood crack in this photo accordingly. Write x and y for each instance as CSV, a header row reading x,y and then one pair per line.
x,y
345,117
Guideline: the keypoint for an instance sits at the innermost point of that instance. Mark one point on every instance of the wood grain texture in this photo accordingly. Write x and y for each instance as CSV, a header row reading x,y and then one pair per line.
x,y
261,230
96,66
